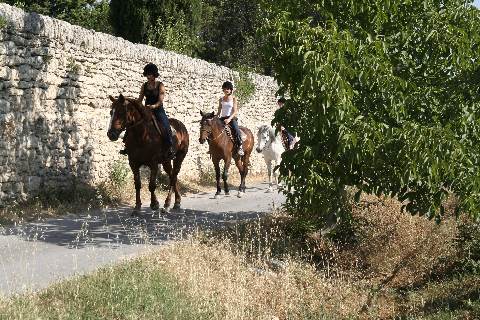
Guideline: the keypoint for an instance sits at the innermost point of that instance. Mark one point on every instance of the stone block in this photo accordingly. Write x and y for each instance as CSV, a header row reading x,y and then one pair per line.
x,y
33,183
5,73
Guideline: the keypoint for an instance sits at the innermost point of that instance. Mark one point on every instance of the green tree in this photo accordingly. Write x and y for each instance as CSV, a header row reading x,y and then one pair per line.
x,y
168,24
90,14
230,35
177,26
130,19
385,98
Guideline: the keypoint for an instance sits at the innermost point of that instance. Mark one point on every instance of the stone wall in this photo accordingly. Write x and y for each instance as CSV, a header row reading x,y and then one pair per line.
x,y
55,79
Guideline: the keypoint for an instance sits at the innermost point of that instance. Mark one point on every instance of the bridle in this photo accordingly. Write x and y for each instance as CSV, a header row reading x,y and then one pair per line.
x,y
268,140
209,132
131,124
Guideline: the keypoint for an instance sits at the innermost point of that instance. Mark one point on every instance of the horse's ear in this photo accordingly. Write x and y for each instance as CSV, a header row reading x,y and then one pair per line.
x,y
111,98
121,98
211,115
272,133
202,114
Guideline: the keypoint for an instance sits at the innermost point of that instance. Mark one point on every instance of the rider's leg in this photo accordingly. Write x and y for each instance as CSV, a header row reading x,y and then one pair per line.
x,y
238,137
166,130
290,139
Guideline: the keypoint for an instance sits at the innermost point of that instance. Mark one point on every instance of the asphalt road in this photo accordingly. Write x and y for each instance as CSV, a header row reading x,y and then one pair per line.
x,y
35,255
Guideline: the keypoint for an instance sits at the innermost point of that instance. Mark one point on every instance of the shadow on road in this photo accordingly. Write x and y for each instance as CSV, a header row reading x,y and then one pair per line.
x,y
115,227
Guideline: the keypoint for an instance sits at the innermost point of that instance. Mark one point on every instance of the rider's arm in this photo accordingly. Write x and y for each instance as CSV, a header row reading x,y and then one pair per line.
x,y
219,111
161,96
140,97
234,111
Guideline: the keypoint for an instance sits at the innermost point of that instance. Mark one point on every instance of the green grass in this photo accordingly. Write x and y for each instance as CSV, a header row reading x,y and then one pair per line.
x,y
132,290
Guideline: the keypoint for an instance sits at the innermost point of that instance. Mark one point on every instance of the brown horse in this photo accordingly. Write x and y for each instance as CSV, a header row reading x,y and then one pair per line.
x,y
221,147
146,147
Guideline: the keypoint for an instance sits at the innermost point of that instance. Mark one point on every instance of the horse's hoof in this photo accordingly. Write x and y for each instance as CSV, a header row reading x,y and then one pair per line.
x,y
154,206
176,208
136,210
227,193
135,213
164,210
240,194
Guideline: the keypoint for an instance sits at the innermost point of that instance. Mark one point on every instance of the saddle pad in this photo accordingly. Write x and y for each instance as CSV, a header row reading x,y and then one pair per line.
x,y
243,135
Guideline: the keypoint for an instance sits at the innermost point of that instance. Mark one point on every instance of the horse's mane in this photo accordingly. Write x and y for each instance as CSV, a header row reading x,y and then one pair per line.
x,y
214,118
271,130
144,112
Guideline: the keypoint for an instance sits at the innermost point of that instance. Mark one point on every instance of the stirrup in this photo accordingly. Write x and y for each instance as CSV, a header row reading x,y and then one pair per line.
x,y
240,151
171,153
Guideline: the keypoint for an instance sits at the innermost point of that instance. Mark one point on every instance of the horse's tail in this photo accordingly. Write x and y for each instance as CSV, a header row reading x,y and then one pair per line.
x,y
248,149
181,134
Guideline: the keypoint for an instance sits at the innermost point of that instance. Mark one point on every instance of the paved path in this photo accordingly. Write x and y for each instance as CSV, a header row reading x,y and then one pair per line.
x,y
34,255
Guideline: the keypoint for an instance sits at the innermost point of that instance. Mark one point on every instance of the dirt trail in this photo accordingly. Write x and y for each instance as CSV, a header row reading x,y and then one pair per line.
x,y
34,255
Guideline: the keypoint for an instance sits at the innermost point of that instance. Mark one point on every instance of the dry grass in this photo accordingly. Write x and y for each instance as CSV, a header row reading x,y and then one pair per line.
x,y
398,267
396,249
231,286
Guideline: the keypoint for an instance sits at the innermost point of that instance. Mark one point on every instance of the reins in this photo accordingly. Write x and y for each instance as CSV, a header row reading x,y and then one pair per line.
x,y
142,119
219,134
210,132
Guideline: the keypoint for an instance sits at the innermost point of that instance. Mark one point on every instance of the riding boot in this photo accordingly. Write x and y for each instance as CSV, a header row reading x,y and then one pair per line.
x,y
171,153
240,151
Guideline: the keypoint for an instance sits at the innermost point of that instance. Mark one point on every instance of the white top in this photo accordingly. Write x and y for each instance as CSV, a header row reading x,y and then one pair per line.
x,y
227,108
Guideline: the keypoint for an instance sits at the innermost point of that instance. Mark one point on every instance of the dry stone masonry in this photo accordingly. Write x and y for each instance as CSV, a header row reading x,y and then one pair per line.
x,y
55,79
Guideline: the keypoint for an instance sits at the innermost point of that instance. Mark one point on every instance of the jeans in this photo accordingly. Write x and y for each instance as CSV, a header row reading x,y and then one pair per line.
x,y
234,125
290,137
164,125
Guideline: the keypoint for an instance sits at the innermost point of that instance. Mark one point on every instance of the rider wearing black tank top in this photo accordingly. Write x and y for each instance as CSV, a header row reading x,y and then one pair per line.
x,y
154,91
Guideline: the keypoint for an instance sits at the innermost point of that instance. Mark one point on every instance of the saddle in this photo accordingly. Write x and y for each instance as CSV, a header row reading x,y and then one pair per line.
x,y
231,135
174,132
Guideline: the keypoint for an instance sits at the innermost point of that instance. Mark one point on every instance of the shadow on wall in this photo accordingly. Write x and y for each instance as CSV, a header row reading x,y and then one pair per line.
x,y
41,144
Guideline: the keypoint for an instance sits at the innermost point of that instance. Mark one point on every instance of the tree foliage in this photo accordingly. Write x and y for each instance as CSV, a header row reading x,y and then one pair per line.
x,y
168,24
89,14
219,31
231,35
385,98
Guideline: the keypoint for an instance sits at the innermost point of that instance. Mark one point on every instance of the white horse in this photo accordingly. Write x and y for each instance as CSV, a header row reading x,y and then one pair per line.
x,y
271,146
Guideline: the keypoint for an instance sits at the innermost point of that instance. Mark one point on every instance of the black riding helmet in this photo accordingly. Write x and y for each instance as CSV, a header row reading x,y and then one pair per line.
x,y
152,69
227,85
281,100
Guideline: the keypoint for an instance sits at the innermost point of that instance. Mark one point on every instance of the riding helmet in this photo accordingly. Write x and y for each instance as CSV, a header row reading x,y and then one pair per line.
x,y
152,69
227,85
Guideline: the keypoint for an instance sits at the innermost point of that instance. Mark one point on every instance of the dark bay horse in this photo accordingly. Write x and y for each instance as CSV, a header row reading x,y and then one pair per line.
x,y
221,147
147,148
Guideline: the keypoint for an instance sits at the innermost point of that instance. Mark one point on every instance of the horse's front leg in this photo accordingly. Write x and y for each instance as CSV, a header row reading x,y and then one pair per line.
x,y
177,163
138,186
216,165
167,166
152,185
225,175
242,166
269,170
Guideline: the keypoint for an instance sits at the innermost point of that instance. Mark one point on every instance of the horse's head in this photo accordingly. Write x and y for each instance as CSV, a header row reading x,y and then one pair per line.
x,y
265,135
206,125
121,116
